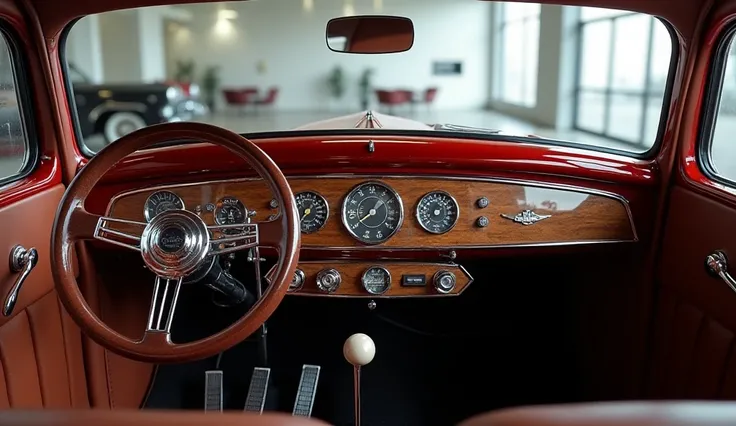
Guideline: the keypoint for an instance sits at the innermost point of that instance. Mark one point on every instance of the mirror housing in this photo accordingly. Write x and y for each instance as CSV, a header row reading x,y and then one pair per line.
x,y
370,34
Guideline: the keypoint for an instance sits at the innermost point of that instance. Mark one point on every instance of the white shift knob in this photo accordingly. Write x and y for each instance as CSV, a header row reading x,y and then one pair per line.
x,y
359,349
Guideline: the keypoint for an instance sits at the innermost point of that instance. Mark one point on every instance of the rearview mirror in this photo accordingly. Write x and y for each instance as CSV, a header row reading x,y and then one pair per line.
x,y
370,34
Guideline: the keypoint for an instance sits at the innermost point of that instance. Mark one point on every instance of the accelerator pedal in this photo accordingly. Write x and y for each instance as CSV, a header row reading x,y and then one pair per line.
x,y
213,391
307,391
257,390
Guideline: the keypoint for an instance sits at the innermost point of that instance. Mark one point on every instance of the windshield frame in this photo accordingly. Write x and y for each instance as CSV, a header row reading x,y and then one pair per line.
x,y
649,154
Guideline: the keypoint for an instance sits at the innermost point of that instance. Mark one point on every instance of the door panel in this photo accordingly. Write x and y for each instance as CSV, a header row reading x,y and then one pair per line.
x,y
694,353
40,347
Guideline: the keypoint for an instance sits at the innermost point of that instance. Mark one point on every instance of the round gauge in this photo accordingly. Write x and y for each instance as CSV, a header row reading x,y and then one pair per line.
x,y
372,212
376,280
313,211
437,212
161,201
230,211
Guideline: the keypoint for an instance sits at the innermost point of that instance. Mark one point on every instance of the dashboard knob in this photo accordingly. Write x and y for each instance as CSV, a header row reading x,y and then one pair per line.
x,y
444,281
328,280
482,202
482,222
298,281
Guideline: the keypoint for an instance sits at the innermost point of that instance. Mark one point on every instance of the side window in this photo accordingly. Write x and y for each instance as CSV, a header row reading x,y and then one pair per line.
x,y
16,156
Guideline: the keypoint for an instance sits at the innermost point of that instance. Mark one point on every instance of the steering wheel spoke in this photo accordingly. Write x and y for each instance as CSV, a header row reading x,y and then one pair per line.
x,y
121,232
163,305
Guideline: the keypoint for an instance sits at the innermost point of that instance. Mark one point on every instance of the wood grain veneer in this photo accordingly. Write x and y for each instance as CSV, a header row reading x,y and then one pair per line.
x,y
577,216
352,272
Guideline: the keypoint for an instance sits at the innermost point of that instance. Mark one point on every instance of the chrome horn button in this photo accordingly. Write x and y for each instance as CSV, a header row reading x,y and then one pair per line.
x,y
175,243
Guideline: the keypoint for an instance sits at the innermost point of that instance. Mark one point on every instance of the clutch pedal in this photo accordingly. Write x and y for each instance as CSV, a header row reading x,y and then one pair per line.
x,y
257,390
307,391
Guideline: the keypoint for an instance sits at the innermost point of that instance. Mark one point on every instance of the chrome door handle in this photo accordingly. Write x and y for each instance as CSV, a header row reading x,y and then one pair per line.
x,y
717,264
23,261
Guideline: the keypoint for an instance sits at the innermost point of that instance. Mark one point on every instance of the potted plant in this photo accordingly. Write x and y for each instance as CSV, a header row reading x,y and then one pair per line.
x,y
365,88
210,83
336,82
184,72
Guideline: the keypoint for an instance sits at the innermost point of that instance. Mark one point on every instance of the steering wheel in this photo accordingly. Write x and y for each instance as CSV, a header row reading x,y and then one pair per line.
x,y
173,244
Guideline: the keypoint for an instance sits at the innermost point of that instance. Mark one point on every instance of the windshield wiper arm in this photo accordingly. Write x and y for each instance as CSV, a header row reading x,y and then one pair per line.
x,y
465,129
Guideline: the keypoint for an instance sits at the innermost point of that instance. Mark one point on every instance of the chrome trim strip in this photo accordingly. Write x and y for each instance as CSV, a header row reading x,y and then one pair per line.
x,y
535,184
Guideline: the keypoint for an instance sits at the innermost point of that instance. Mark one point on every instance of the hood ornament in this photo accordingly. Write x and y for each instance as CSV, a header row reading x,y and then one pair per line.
x,y
527,217
368,121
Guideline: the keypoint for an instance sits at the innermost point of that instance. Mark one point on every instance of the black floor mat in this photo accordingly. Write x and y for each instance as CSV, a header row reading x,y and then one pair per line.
x,y
438,361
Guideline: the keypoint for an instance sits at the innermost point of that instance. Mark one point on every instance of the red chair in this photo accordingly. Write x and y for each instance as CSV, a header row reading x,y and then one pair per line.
x,y
391,98
430,95
239,98
269,100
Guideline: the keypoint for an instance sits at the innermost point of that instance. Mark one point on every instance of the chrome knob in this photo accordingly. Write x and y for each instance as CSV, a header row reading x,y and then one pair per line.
x,y
298,281
444,281
328,280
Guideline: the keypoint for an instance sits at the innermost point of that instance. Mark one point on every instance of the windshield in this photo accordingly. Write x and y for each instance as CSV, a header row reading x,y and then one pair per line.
x,y
587,76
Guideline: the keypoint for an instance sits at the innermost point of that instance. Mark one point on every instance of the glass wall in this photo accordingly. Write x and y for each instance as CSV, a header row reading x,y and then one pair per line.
x,y
623,63
517,41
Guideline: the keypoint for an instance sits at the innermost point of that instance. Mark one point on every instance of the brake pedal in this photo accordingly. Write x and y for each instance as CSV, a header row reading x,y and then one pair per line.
x,y
307,391
213,391
257,390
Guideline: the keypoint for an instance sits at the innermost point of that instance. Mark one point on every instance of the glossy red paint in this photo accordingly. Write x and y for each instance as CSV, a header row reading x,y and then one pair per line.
x,y
48,169
349,154
691,174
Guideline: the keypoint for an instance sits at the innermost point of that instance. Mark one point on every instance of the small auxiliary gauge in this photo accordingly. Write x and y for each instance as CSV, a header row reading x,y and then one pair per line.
x,y
313,211
437,212
376,280
230,211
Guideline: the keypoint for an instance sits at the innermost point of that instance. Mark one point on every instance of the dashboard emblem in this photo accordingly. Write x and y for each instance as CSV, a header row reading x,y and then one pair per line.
x,y
527,217
172,239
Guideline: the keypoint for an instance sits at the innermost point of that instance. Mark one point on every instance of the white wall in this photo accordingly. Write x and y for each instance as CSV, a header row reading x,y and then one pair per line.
x,y
84,48
120,48
290,41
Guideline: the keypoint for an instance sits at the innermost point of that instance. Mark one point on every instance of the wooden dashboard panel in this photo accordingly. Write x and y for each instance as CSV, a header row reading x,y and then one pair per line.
x,y
576,215
351,273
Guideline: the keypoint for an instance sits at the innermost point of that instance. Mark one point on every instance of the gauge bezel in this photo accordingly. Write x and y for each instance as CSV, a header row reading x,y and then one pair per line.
x,y
327,216
384,269
147,214
218,206
419,204
345,206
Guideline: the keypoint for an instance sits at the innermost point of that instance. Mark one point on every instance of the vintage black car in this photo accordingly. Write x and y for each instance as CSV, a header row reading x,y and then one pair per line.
x,y
114,110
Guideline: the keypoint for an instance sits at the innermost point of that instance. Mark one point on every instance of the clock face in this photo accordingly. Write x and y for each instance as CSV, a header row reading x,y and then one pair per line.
x,y
372,212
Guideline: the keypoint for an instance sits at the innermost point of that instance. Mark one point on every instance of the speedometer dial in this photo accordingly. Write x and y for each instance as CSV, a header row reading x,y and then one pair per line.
x,y
313,211
161,201
437,212
372,212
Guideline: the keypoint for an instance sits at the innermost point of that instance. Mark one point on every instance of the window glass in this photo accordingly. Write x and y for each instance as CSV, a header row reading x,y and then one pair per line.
x,y
723,145
518,40
623,68
588,77
14,146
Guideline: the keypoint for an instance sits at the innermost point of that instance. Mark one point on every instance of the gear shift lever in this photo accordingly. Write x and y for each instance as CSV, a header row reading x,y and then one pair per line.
x,y
358,350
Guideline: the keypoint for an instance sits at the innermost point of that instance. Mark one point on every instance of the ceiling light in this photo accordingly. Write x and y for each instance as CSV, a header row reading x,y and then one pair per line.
x,y
308,5
227,14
